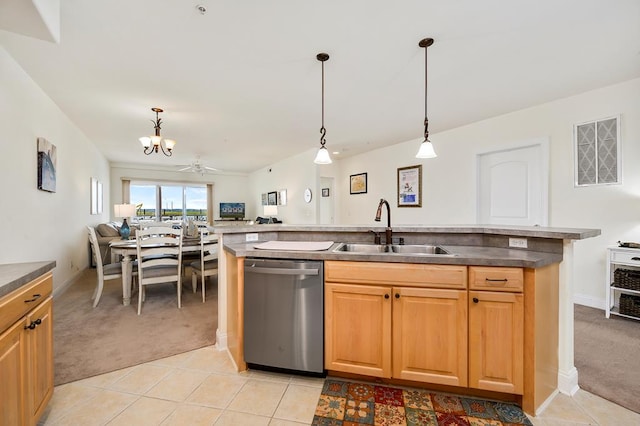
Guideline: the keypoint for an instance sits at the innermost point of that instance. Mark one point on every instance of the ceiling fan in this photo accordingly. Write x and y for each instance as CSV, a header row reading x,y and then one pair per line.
x,y
197,167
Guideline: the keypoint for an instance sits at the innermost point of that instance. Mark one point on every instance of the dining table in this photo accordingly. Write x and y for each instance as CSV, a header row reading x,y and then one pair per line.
x,y
127,250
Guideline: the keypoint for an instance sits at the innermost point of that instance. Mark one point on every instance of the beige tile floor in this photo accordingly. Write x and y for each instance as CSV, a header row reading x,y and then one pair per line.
x,y
201,387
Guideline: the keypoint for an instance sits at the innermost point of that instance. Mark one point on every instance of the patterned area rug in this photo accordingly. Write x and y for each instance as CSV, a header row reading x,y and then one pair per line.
x,y
345,403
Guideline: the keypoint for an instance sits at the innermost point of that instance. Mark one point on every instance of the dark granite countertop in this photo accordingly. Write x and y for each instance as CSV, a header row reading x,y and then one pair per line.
x,y
462,255
15,275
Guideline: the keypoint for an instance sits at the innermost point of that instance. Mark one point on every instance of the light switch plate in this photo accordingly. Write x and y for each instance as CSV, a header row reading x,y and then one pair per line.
x,y
518,242
251,237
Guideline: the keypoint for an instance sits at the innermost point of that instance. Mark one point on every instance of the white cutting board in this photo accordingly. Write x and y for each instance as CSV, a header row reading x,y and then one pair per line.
x,y
295,245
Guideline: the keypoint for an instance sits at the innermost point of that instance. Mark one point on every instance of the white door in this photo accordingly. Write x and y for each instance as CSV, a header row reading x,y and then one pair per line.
x,y
513,185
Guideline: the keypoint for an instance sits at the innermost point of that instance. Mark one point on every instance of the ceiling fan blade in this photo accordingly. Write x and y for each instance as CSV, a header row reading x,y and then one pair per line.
x,y
211,168
184,168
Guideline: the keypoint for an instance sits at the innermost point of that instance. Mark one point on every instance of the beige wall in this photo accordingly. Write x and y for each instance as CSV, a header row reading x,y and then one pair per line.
x,y
39,225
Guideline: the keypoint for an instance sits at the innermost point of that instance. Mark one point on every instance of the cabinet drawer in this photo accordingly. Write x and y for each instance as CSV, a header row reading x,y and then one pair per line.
x,y
405,274
16,304
630,258
496,278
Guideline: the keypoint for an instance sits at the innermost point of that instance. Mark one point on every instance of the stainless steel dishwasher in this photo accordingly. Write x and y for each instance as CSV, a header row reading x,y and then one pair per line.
x,y
283,314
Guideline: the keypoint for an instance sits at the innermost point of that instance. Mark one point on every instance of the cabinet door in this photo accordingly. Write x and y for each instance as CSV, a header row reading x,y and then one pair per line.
x,y
358,329
40,359
12,375
496,341
430,335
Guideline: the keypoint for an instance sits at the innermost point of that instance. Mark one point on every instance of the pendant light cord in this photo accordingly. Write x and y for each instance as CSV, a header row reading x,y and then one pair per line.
x,y
323,131
426,120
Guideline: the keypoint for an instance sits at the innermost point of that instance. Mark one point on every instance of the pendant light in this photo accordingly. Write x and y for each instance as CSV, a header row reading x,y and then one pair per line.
x,y
426,148
322,157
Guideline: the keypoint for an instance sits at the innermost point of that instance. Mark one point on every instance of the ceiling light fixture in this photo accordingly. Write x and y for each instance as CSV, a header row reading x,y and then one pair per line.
x,y
155,143
426,148
323,154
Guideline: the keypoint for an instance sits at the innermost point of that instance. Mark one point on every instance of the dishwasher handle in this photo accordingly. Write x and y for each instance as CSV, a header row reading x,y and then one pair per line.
x,y
281,271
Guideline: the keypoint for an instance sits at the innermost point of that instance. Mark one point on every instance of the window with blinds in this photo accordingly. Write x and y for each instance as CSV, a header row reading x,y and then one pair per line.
x,y
597,152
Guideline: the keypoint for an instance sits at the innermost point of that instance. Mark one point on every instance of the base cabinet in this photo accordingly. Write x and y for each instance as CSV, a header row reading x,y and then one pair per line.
x,y
26,352
412,332
496,341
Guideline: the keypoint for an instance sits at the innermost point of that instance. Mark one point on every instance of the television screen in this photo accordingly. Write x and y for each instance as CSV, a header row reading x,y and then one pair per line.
x,y
232,211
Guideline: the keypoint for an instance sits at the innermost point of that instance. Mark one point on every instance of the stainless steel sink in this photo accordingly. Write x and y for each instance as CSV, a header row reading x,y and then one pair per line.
x,y
410,249
362,248
418,249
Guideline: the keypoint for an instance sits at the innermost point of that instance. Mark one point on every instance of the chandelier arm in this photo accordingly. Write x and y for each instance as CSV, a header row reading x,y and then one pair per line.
x,y
168,152
323,133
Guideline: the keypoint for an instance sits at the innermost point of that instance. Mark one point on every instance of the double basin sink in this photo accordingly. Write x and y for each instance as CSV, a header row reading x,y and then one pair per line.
x,y
408,249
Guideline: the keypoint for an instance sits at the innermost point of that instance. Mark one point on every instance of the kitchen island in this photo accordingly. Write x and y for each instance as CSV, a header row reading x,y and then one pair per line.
x,y
535,302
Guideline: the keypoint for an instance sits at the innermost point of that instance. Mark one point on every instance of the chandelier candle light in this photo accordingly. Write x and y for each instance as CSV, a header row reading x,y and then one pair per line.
x,y
323,154
155,143
124,211
426,148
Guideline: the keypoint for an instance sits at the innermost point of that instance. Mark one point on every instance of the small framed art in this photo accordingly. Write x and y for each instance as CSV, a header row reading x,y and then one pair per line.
x,y
358,184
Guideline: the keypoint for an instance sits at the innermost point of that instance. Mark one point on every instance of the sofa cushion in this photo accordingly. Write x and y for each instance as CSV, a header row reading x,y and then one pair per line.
x,y
107,230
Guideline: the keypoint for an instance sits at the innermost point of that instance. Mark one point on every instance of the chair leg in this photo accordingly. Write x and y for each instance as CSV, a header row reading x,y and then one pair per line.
x,y
140,297
97,293
204,279
179,285
194,281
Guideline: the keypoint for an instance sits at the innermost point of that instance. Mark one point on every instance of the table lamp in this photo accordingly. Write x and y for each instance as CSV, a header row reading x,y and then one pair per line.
x,y
270,211
124,211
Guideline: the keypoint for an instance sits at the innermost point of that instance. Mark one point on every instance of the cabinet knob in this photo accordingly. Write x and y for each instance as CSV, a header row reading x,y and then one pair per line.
x,y
386,296
397,295
475,300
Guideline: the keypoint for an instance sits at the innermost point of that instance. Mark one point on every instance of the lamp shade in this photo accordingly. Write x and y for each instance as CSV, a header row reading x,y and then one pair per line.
x,y
124,210
426,150
322,157
270,210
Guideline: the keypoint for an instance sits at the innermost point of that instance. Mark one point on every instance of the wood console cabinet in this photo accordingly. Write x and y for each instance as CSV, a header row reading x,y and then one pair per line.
x,y
381,318
26,352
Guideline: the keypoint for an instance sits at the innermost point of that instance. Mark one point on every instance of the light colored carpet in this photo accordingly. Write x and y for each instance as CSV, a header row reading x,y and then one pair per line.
x,y
90,341
606,356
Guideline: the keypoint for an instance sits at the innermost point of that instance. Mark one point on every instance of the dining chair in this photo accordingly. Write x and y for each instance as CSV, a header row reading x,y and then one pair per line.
x,y
159,253
110,271
207,265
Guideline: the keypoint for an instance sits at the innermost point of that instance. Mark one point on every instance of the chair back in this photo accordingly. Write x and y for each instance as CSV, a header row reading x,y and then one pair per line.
x,y
97,256
158,248
208,247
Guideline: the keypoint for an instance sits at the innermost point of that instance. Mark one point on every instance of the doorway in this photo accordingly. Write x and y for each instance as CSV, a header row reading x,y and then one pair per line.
x,y
327,195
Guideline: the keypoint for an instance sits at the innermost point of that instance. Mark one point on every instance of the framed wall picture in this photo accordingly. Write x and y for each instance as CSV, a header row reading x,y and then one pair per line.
x,y
358,184
264,199
272,198
325,192
93,190
410,186
282,197
47,159
99,197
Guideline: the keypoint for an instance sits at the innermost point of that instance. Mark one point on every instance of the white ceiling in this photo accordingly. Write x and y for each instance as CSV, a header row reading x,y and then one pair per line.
x,y
241,86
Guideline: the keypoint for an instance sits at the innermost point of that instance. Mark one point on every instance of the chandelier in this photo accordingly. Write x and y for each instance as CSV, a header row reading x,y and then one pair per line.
x,y
156,142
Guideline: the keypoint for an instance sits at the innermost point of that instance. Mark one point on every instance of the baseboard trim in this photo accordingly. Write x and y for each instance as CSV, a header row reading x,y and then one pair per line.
x,y
221,340
546,403
590,301
61,288
568,382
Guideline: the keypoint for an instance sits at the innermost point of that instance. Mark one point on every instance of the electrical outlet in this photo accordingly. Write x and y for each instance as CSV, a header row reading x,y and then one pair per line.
x,y
251,237
518,242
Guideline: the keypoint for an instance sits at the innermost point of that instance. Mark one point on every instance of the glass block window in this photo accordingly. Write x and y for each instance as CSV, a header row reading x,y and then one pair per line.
x,y
597,152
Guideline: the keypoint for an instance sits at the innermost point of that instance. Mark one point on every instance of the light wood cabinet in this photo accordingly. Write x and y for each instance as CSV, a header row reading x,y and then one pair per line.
x,y
26,352
496,341
382,330
496,329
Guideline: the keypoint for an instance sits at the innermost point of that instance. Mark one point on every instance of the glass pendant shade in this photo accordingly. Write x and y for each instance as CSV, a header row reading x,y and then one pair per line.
x,y
145,141
426,150
322,157
169,143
